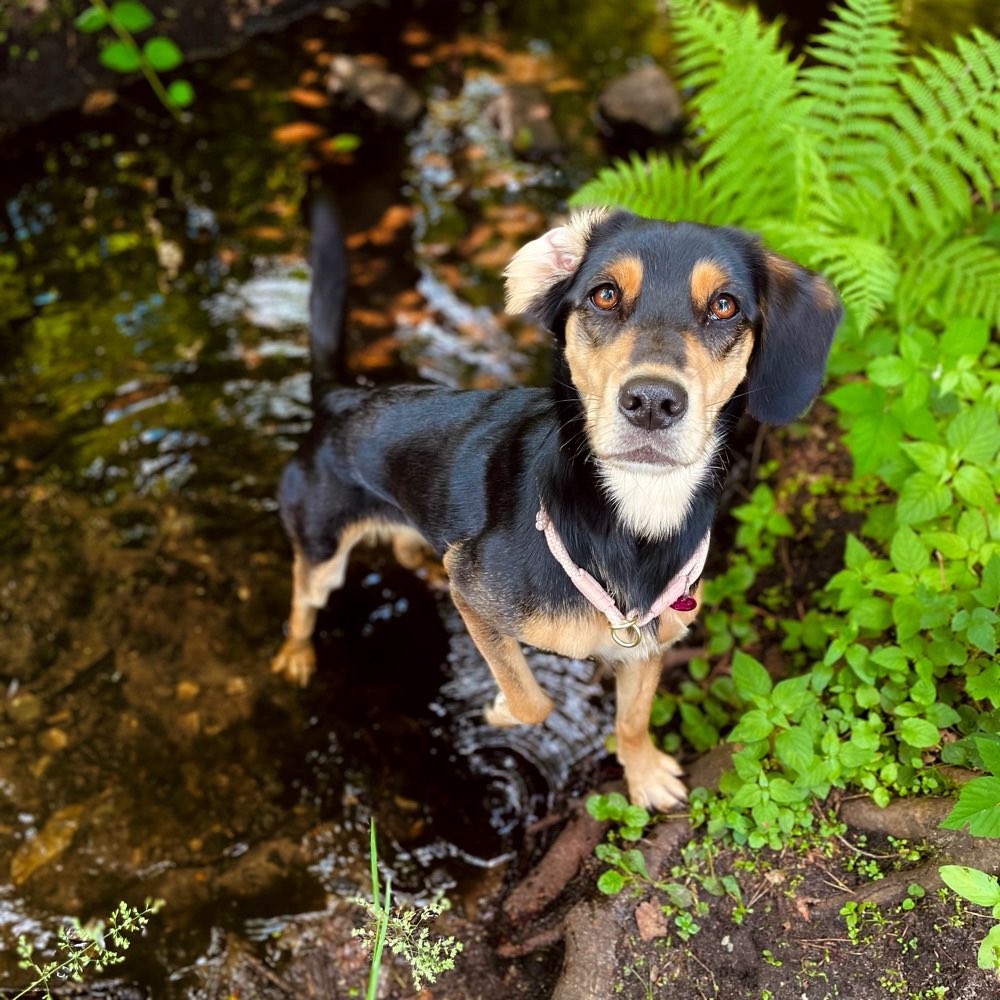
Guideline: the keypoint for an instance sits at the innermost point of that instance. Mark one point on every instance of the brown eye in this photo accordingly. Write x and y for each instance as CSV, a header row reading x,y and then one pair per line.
x,y
723,306
605,297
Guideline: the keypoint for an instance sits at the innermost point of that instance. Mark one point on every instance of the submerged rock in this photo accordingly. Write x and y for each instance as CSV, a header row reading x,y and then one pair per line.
x,y
641,106
387,95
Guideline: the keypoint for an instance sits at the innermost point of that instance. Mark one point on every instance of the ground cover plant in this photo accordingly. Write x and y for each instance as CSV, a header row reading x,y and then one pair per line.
x,y
879,169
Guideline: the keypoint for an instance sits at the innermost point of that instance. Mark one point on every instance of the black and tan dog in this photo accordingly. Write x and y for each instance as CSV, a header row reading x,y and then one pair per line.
x,y
574,518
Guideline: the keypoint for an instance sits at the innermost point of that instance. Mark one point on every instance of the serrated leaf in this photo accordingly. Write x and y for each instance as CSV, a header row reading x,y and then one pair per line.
x,y
973,485
919,733
791,694
972,884
907,551
966,335
163,54
978,806
926,456
794,749
974,434
989,750
889,371
120,57
132,16
754,725
922,498
749,677
90,20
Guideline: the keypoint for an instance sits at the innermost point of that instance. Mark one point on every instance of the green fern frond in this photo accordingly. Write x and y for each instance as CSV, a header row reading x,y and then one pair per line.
x,y
717,46
947,136
853,82
864,271
962,273
659,187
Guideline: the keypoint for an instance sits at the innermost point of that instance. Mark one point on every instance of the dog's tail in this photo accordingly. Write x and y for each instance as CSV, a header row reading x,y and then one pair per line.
x,y
327,295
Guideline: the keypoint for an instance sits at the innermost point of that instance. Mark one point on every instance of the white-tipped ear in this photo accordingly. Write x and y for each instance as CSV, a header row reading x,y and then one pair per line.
x,y
544,262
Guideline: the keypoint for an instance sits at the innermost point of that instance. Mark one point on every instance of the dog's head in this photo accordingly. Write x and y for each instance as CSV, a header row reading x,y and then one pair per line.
x,y
662,323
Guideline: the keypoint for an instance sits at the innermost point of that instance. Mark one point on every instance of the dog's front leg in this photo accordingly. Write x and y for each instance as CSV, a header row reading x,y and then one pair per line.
x,y
520,698
651,775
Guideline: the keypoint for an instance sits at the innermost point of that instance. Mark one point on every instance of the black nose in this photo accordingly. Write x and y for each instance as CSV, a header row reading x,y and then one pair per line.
x,y
652,403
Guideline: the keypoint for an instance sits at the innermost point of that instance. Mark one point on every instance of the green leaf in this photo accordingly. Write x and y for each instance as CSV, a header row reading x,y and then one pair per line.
x,y
889,371
90,20
983,635
753,726
971,884
919,733
965,335
791,694
635,816
989,750
794,749
181,93
120,57
973,485
974,434
907,551
132,16
922,497
345,142
611,882
978,805
871,612
162,54
749,677
988,956
927,456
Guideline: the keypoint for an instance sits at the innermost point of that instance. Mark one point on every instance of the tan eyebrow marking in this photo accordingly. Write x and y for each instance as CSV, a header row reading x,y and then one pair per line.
x,y
706,277
626,273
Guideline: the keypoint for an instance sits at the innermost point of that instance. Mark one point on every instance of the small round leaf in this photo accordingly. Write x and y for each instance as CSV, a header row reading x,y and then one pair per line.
x,y
120,57
132,16
163,54
611,882
90,20
181,93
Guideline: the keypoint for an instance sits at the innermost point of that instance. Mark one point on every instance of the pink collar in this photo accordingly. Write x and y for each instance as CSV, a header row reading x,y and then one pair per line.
x,y
676,595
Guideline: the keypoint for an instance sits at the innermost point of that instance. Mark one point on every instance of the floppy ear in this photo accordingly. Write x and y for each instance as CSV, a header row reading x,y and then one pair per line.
x,y
539,267
800,315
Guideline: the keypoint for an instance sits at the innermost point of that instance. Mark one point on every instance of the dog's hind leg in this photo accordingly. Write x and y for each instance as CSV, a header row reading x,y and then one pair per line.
x,y
312,584
651,775
520,699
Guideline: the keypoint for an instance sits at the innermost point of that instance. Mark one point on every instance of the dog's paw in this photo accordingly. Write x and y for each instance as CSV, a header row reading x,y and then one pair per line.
x,y
499,713
654,781
295,661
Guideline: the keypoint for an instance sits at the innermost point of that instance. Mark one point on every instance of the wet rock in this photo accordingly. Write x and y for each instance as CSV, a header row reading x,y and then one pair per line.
x,y
47,844
641,107
53,740
24,708
387,95
522,116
